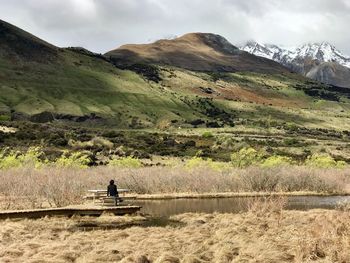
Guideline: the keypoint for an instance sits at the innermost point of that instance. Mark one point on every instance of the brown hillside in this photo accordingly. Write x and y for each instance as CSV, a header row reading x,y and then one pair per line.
x,y
195,51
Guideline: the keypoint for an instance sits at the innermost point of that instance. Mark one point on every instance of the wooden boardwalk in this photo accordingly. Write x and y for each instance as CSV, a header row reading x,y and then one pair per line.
x,y
69,211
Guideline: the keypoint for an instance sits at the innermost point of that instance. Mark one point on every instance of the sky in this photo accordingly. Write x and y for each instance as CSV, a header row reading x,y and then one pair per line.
x,y
102,25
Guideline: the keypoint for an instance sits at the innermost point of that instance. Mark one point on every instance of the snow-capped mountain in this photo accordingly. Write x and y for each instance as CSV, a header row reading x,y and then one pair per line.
x,y
322,52
320,61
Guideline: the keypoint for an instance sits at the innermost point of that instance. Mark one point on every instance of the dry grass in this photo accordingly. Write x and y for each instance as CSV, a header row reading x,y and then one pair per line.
x,y
260,235
30,188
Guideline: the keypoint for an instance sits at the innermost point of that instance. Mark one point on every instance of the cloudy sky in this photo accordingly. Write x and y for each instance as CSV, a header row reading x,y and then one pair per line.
x,y
101,25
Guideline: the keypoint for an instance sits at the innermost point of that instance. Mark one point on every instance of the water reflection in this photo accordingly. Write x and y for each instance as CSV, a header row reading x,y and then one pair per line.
x,y
170,207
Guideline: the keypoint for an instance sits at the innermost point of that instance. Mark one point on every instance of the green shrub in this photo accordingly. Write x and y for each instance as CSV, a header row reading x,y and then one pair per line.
x,y
33,157
76,160
246,157
207,134
277,160
96,142
290,142
9,161
323,161
126,162
291,126
198,162
5,118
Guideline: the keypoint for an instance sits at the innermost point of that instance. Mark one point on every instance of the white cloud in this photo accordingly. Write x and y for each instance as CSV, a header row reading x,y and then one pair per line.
x,y
101,25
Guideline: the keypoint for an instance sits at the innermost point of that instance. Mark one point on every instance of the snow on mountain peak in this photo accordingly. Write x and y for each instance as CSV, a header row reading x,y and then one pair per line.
x,y
323,52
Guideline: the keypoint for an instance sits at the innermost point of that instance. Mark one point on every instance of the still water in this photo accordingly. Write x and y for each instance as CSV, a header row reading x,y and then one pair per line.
x,y
161,208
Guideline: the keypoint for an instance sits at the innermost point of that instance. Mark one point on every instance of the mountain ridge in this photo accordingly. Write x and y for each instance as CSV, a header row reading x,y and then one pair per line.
x,y
319,61
323,51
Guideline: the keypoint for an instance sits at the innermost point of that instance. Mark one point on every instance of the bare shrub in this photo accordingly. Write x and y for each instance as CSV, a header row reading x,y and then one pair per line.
x,y
295,178
26,187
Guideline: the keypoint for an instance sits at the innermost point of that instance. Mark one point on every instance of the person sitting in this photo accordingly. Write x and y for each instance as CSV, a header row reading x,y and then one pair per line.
x,y
112,191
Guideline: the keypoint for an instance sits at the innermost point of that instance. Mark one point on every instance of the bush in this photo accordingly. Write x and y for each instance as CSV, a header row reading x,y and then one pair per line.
x,y
94,143
246,157
76,160
126,162
5,117
323,161
198,162
9,161
277,160
207,134
290,142
15,159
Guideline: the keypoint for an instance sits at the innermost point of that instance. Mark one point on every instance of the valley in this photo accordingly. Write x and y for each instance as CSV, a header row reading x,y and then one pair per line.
x,y
174,149
256,102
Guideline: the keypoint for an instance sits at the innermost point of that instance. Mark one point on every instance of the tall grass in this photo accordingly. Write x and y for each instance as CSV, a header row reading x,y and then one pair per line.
x,y
264,234
26,187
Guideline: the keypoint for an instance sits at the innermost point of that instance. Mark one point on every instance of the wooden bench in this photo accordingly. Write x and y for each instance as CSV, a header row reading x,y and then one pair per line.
x,y
100,196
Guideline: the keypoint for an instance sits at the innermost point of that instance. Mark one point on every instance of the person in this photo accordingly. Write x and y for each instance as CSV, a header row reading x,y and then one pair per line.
x,y
112,191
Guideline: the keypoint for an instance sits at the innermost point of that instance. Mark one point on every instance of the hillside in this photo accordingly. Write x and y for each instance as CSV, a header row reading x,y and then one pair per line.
x,y
71,84
195,51
45,82
17,45
78,95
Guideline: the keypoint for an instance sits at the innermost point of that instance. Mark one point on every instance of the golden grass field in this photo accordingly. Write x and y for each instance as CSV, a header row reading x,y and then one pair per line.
x,y
262,234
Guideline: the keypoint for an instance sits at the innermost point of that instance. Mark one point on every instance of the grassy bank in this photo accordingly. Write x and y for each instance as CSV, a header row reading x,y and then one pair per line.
x,y
28,187
266,233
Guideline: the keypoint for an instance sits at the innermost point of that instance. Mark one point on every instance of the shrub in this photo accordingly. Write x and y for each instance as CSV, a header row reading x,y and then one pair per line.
x,y
277,160
246,157
5,118
15,159
323,161
290,142
96,142
9,161
76,160
291,126
227,143
126,162
207,134
198,162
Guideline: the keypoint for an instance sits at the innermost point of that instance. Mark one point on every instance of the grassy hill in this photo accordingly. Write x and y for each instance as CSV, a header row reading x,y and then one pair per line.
x,y
255,102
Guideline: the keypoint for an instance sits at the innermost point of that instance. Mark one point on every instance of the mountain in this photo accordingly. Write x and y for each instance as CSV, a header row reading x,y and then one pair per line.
x,y
71,84
198,80
320,61
194,51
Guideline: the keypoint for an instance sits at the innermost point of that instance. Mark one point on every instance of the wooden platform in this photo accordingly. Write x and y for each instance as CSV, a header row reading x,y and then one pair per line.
x,y
69,211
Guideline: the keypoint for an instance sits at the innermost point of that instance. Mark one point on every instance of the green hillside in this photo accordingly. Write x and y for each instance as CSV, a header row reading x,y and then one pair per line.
x,y
37,77
83,95
79,85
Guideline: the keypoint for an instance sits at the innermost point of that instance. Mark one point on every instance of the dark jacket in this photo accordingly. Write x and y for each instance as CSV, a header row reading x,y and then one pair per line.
x,y
112,190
